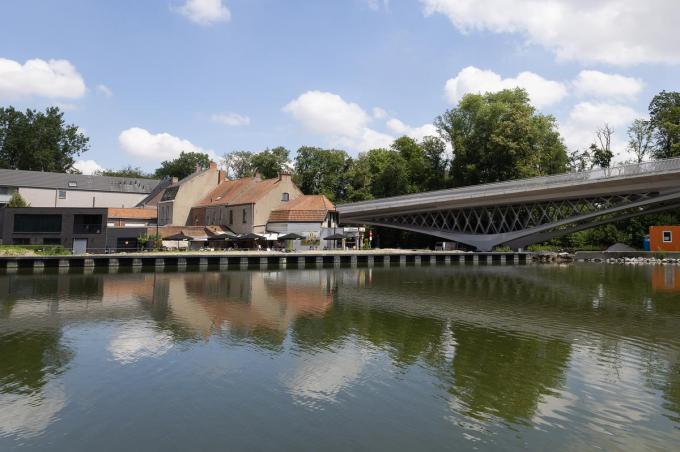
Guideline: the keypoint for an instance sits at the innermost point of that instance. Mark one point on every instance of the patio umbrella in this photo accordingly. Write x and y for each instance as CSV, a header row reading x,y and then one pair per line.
x,y
179,237
291,236
335,237
250,236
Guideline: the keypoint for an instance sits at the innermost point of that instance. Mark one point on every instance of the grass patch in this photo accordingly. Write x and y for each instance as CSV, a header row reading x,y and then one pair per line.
x,y
33,250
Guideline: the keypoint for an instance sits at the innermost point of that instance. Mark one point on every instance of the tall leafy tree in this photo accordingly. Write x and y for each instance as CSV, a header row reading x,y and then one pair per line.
x,y
182,166
500,136
640,139
128,171
664,118
238,164
270,162
321,171
39,141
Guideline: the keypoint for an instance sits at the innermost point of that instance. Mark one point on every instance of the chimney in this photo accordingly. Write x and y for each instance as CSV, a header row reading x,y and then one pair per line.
x,y
198,168
284,174
212,165
174,180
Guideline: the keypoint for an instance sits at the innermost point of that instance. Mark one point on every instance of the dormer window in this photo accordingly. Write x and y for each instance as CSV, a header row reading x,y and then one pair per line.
x,y
72,184
285,197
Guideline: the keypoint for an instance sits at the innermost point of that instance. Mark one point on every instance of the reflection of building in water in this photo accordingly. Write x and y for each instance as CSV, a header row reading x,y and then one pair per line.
x,y
666,278
244,302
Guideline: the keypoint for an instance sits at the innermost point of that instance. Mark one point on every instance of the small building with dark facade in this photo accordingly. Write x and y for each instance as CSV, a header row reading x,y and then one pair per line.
x,y
79,229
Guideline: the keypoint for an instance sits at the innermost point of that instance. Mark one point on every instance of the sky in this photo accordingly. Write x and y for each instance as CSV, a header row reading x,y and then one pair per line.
x,y
148,79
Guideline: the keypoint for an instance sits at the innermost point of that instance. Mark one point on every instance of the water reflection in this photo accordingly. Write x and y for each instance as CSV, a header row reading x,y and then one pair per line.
x,y
589,353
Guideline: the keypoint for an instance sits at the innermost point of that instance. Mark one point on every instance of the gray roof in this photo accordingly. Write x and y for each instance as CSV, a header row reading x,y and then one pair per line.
x,y
38,179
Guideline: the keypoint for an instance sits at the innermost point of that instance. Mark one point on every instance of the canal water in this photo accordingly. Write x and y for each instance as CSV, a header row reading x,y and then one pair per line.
x,y
565,358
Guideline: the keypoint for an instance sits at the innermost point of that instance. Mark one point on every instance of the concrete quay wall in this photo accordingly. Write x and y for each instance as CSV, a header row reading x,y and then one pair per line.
x,y
226,260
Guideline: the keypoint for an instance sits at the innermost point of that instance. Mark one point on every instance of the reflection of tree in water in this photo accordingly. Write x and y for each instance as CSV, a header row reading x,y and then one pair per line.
x,y
505,375
672,391
30,359
405,338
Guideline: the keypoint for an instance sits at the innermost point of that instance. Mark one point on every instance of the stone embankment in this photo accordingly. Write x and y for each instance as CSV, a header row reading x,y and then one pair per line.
x,y
551,257
630,258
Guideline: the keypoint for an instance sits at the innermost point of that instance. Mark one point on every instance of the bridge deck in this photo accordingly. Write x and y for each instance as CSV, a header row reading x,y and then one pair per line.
x,y
661,175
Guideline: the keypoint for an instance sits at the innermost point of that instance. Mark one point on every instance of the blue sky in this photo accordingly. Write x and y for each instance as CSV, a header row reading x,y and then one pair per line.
x,y
145,79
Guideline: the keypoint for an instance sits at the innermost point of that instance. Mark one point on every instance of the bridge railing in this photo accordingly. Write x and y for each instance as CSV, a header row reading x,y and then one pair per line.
x,y
636,169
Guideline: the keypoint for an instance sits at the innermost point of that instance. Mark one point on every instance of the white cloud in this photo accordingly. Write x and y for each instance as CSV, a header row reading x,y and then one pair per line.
x,y
29,415
87,166
104,90
231,119
52,79
542,92
376,5
418,133
328,114
585,118
346,124
205,12
379,113
155,146
600,84
616,32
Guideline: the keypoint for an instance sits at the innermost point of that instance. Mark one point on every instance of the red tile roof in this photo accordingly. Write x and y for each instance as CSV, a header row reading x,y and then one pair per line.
x,y
133,213
247,190
304,209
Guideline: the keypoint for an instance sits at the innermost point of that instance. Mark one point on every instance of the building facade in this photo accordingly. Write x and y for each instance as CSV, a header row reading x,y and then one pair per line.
x,y
244,205
664,238
177,199
80,229
42,189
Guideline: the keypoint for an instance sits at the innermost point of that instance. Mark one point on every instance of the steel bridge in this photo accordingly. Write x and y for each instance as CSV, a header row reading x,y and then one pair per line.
x,y
521,212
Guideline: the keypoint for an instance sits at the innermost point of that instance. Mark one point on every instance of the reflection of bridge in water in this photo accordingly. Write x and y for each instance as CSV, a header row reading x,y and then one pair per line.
x,y
522,212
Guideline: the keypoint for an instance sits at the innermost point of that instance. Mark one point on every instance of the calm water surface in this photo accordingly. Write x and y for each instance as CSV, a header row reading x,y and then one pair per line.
x,y
412,358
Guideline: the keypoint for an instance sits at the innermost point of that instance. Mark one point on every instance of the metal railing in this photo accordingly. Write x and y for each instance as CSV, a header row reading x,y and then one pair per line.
x,y
636,169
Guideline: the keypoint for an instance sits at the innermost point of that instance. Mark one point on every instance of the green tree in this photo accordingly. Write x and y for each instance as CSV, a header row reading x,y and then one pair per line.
x,y
128,171
435,153
16,200
664,118
600,157
270,162
39,141
321,171
640,139
183,166
238,164
500,136
416,162
378,173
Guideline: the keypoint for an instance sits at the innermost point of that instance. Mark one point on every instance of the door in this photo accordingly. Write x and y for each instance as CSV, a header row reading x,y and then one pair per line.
x,y
79,246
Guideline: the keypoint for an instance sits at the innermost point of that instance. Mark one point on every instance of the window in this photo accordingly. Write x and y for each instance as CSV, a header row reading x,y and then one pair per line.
x,y
87,224
231,216
169,194
244,215
37,223
72,184
667,236
285,196
51,241
21,241
62,194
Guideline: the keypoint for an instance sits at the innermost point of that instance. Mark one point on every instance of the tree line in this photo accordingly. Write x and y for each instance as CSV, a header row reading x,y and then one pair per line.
x,y
490,137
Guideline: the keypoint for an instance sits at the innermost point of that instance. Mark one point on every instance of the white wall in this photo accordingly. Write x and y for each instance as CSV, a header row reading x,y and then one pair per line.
x,y
45,197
